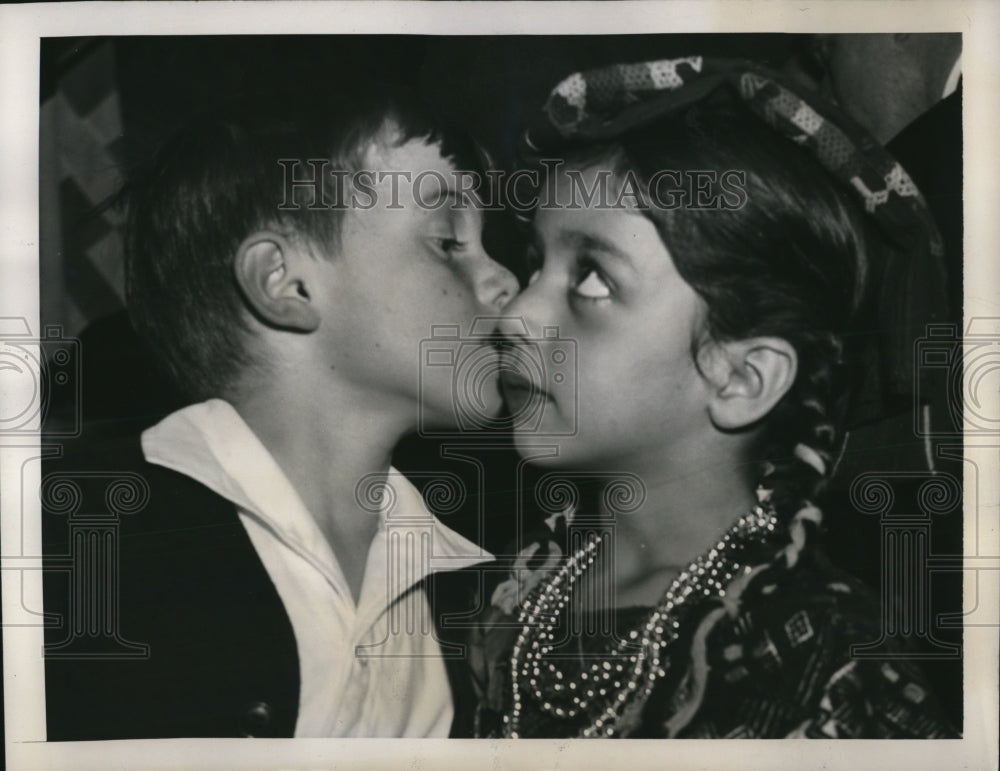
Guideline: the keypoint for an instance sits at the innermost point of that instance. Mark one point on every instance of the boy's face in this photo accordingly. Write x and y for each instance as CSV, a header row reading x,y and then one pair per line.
x,y
404,266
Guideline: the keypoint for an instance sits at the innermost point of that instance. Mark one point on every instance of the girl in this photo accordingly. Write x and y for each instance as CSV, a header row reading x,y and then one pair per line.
x,y
701,242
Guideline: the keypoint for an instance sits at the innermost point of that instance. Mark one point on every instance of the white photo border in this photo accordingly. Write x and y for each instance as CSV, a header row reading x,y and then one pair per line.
x,y
22,27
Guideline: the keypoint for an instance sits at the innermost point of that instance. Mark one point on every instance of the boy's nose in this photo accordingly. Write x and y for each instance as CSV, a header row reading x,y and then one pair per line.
x,y
497,287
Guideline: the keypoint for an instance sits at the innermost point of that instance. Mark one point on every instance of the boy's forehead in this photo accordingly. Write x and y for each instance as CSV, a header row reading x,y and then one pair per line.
x,y
415,175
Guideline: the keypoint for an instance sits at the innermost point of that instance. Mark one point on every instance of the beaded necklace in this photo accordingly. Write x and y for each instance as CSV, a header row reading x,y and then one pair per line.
x,y
620,678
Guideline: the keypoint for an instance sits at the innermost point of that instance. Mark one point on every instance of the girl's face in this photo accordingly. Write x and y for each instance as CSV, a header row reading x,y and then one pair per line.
x,y
604,279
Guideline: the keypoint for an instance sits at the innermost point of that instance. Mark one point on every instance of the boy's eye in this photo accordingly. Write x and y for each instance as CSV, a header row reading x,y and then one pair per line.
x,y
593,287
449,245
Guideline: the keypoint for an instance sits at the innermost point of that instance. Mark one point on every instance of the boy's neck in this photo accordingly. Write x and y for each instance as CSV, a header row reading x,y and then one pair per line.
x,y
326,446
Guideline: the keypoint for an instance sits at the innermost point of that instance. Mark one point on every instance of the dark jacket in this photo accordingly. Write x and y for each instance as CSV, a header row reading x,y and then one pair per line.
x,y
161,619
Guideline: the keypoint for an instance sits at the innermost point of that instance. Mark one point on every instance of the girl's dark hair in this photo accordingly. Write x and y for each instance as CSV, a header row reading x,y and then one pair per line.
x,y
790,260
208,188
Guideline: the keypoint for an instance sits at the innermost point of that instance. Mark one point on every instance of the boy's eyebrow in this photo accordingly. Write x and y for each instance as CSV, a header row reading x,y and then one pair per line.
x,y
432,200
467,204
435,201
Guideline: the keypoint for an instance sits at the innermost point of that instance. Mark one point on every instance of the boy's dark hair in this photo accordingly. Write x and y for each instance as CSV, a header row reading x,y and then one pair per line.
x,y
217,182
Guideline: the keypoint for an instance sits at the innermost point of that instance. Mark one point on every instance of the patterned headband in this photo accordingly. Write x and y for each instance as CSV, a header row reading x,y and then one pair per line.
x,y
601,104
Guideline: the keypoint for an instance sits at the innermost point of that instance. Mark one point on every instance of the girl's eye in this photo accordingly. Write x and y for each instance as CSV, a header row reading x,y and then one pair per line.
x,y
593,287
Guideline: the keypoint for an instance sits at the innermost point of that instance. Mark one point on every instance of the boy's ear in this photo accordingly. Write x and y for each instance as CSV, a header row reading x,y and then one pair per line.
x,y
273,274
749,377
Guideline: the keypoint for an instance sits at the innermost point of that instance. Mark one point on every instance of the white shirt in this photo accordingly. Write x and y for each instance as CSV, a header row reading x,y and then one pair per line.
x,y
373,669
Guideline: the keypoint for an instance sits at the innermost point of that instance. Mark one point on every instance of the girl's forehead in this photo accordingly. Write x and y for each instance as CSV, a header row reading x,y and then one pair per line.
x,y
623,236
595,184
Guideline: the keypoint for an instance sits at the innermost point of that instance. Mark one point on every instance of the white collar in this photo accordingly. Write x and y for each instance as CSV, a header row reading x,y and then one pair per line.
x,y
213,445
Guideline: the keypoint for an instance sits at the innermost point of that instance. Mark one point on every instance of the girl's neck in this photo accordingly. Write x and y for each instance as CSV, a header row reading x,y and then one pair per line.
x,y
683,514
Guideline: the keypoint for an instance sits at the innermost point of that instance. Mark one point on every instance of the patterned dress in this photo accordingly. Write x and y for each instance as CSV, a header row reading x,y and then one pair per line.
x,y
771,658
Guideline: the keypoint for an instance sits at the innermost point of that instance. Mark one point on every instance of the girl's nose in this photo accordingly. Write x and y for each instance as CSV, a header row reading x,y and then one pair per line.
x,y
525,316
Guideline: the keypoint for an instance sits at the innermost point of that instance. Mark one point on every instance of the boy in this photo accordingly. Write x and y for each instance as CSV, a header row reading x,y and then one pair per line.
x,y
258,591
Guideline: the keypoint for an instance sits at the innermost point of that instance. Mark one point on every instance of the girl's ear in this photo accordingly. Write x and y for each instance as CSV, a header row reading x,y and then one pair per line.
x,y
749,378
273,275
